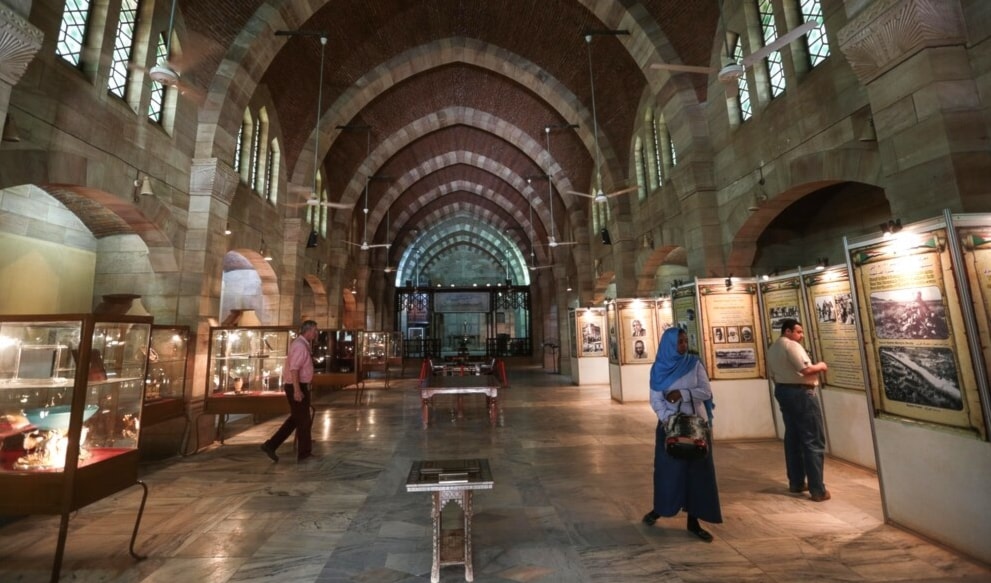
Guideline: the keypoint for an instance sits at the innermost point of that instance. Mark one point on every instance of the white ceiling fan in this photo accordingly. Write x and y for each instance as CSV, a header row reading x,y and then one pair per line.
x,y
731,71
364,246
598,194
532,266
167,71
552,242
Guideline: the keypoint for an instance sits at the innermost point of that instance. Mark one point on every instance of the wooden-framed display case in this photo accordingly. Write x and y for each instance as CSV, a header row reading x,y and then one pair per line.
x,y
71,394
169,360
246,372
381,352
335,359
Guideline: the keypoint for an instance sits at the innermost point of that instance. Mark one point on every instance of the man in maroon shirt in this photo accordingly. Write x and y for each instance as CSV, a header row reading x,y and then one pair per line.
x,y
299,373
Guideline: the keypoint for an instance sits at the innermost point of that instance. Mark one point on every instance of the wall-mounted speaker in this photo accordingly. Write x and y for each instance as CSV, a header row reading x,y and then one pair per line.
x,y
606,239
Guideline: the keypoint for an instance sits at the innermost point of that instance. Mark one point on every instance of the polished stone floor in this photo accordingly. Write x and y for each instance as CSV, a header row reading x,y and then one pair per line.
x,y
572,476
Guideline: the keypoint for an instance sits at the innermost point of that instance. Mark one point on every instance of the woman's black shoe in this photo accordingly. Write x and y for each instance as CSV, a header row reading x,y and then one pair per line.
x,y
650,518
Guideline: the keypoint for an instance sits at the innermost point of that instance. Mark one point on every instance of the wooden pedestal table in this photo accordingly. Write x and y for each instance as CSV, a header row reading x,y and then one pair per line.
x,y
450,481
459,386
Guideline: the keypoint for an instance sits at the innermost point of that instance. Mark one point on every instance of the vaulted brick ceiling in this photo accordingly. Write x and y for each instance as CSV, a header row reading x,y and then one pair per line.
x,y
528,68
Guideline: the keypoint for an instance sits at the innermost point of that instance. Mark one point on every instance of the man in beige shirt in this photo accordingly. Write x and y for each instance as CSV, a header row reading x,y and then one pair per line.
x,y
795,379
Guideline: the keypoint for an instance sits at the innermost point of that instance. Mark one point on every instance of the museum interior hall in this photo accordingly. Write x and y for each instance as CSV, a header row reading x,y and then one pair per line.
x,y
528,192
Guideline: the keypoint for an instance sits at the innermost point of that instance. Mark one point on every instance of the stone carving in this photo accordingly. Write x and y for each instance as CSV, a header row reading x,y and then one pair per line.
x,y
19,41
213,177
892,30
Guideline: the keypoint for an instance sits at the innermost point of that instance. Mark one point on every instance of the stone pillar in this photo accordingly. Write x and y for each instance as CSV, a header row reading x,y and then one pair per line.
x,y
211,188
703,232
912,58
294,234
19,42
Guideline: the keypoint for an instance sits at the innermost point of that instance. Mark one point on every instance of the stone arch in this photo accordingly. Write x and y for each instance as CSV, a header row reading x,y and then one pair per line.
x,y
261,295
803,175
313,300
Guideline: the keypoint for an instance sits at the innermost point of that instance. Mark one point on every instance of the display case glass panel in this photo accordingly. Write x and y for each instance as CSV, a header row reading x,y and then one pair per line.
x,y
335,351
47,367
247,361
166,378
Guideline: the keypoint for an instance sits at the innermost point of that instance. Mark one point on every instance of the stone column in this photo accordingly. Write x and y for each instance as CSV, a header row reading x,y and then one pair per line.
x,y
294,234
696,191
912,58
212,186
19,43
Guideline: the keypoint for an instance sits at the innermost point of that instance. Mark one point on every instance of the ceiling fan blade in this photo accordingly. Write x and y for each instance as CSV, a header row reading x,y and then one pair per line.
x,y
328,204
538,267
576,193
675,68
622,191
778,43
386,245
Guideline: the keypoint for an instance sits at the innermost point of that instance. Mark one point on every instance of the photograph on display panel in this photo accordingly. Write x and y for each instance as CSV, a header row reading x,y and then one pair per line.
x,y
638,341
918,354
835,338
590,331
730,313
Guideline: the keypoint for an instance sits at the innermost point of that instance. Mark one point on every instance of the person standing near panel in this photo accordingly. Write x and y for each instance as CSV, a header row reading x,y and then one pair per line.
x,y
299,368
795,380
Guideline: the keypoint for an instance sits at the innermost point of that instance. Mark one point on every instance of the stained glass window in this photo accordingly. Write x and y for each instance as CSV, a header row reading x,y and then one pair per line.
x,y
157,104
72,31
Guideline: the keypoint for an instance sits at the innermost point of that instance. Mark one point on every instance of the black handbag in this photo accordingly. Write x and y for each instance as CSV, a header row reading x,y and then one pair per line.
x,y
687,437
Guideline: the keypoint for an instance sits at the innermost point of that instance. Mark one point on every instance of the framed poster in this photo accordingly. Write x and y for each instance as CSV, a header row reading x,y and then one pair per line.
x,y
663,316
684,309
611,318
730,311
833,327
919,362
638,336
782,300
590,332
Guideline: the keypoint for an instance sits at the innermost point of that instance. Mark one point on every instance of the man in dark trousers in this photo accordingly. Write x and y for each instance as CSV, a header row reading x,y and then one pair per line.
x,y
299,374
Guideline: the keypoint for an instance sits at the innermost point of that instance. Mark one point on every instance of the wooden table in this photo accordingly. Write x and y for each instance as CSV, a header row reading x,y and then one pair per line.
x,y
450,481
459,386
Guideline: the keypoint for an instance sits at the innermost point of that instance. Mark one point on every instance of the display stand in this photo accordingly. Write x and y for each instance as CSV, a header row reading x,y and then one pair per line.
x,y
589,363
336,362
71,389
246,368
633,335
169,360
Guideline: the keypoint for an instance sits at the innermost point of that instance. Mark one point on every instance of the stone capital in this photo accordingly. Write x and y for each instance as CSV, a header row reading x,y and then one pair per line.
x,y
890,31
212,177
19,42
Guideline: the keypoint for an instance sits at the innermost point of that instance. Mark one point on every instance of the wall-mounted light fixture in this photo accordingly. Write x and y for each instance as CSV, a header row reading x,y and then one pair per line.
x,y
263,251
759,195
647,242
891,227
143,184
869,133
822,263
227,229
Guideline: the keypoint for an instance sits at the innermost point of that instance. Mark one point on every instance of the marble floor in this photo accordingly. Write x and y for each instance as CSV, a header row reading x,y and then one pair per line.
x,y
572,474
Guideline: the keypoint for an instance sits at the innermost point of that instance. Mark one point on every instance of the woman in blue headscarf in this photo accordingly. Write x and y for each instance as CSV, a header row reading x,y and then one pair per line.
x,y
678,382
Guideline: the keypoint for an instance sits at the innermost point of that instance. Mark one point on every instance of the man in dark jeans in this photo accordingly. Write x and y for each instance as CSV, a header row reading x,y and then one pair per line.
x,y
299,371
795,380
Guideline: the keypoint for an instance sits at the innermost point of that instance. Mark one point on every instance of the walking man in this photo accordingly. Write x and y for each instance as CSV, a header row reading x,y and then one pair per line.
x,y
795,380
299,370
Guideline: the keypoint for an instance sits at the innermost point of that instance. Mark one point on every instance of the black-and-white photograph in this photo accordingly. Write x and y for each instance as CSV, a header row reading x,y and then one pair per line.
x,y
592,339
736,358
639,350
746,334
836,308
921,376
779,313
913,314
718,335
732,334
636,329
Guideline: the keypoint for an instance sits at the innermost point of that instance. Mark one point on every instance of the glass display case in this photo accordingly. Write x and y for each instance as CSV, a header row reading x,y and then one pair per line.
x,y
71,393
381,352
246,372
165,380
335,359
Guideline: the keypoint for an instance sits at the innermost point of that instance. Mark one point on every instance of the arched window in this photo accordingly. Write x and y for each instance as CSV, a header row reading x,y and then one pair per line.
x,y
72,31
769,34
156,106
657,160
743,103
649,152
638,162
275,160
324,211
245,140
259,164
815,40
120,72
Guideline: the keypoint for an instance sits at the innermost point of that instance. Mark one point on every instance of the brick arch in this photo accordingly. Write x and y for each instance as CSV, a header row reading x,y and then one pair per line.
x,y
804,176
650,262
243,258
313,300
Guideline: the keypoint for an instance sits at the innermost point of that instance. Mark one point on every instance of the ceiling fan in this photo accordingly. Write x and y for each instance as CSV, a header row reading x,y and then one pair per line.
x,y
730,73
314,201
532,266
167,71
364,246
598,195
552,242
